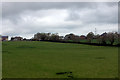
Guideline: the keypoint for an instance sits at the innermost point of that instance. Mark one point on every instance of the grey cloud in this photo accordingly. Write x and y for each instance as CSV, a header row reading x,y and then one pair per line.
x,y
10,8
13,10
101,14
85,12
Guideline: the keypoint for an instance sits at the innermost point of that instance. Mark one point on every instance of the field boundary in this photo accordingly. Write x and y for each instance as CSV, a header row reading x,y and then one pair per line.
x,y
94,44
60,79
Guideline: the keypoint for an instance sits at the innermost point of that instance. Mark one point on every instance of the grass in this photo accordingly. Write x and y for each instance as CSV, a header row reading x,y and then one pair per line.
x,y
45,59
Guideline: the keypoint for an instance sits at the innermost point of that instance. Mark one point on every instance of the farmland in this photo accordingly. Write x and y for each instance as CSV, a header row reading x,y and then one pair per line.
x,y
37,59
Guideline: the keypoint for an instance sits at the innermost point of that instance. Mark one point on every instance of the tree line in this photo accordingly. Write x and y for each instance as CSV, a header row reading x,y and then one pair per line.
x,y
111,38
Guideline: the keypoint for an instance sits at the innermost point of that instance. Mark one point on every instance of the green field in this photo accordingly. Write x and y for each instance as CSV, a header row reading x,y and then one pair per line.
x,y
45,59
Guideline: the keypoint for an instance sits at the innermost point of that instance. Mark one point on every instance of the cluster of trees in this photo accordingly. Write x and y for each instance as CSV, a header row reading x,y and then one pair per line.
x,y
105,38
46,36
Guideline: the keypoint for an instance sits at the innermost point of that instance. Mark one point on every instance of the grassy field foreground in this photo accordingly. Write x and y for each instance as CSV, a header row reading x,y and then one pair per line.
x,y
45,59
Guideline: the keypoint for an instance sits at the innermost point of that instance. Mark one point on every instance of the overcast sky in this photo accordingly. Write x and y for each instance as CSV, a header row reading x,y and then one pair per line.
x,y
27,18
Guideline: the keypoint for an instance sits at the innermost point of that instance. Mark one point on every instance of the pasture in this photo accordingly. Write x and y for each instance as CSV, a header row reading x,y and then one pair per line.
x,y
49,60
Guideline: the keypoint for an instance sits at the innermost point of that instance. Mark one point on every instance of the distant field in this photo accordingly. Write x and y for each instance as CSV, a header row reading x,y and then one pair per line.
x,y
45,59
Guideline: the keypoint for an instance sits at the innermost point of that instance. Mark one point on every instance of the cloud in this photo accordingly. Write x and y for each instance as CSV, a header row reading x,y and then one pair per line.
x,y
101,14
28,18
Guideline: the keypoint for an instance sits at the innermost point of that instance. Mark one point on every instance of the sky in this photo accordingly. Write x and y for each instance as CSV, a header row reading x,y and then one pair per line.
x,y
27,18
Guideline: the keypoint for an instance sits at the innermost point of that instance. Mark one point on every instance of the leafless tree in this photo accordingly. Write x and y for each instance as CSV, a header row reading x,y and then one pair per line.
x,y
90,36
112,37
54,37
103,38
42,36
72,36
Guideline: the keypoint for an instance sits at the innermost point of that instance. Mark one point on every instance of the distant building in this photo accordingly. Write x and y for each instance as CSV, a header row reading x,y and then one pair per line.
x,y
16,38
0,38
82,37
61,37
26,39
104,34
4,38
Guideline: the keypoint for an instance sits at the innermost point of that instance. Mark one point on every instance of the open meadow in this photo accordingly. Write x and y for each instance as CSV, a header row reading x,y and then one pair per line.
x,y
37,59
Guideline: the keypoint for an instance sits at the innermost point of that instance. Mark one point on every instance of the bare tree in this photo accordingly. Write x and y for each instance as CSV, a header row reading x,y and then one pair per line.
x,y
54,37
112,37
69,36
90,36
42,36
103,38
72,36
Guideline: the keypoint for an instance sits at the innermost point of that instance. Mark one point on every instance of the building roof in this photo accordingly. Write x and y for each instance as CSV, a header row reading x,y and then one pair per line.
x,y
4,36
